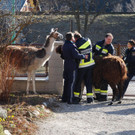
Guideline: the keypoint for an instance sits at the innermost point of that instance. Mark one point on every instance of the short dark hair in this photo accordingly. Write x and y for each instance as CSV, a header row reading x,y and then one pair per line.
x,y
132,42
77,35
108,34
69,36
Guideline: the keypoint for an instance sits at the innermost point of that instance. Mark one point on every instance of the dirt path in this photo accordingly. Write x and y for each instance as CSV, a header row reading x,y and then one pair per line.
x,y
90,119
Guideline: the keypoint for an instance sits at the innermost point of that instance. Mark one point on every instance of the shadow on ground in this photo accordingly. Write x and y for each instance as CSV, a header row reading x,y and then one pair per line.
x,y
19,97
83,106
130,132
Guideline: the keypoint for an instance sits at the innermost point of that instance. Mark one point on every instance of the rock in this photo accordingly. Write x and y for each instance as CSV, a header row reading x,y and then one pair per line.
x,y
45,104
3,113
43,107
18,120
28,114
36,113
47,111
51,100
6,132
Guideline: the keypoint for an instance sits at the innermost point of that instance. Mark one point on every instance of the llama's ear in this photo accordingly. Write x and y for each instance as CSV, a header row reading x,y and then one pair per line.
x,y
56,29
52,30
47,36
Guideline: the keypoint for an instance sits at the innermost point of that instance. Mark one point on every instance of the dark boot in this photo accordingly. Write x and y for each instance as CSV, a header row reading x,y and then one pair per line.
x,y
97,96
76,100
89,100
103,98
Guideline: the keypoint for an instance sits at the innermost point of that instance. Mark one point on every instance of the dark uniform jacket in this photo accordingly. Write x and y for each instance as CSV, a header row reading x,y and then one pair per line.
x,y
100,49
129,59
80,42
70,55
85,47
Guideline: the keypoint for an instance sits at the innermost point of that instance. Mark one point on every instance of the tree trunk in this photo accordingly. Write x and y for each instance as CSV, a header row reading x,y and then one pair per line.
x,y
86,24
77,17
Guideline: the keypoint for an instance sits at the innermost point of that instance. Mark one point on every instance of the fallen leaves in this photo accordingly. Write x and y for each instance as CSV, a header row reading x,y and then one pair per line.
x,y
22,115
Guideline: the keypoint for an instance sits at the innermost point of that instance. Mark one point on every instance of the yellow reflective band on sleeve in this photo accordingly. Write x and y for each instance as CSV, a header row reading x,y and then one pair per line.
x,y
105,51
76,94
85,45
98,47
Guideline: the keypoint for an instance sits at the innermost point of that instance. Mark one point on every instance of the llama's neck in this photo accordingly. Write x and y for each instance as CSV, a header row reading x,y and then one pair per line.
x,y
50,47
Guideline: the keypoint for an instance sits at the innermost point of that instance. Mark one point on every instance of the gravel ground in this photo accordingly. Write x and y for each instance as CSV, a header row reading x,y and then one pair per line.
x,y
90,119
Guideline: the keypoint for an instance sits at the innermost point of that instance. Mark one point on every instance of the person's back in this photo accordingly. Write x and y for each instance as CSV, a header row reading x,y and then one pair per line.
x,y
85,68
70,54
81,41
84,46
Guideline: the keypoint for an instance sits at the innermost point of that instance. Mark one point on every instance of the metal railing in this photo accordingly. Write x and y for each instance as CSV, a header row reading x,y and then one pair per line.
x,y
119,50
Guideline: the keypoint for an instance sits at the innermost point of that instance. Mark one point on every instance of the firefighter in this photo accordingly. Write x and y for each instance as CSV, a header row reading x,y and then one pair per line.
x,y
129,59
103,48
70,55
85,68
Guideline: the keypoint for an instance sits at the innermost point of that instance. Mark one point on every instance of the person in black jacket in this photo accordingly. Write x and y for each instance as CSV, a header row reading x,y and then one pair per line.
x,y
70,55
129,59
103,48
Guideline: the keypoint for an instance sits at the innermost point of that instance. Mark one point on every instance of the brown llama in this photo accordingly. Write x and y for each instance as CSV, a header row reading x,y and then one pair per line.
x,y
113,70
28,59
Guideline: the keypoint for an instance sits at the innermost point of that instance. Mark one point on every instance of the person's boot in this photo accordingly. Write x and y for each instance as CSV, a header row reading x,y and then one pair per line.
x,y
89,100
76,100
103,98
97,96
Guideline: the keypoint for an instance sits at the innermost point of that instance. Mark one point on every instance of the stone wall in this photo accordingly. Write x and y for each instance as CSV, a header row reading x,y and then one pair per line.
x,y
54,83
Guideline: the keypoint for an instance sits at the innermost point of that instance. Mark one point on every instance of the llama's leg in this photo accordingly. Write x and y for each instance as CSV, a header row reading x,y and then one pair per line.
x,y
28,82
33,82
120,88
115,92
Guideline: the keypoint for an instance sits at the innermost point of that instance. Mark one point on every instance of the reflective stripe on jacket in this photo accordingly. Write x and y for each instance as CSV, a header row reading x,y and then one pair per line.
x,y
84,47
102,50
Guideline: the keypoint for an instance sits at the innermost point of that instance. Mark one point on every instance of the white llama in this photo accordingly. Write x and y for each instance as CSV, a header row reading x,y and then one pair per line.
x,y
28,59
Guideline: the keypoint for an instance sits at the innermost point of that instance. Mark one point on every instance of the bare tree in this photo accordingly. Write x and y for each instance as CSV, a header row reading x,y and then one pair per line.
x,y
118,8
131,6
84,11
11,25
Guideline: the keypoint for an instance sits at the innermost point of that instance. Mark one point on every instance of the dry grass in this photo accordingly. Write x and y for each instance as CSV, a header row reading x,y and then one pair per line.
x,y
21,113
6,78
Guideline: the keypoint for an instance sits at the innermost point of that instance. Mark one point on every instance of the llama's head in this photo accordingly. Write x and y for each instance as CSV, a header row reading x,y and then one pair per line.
x,y
55,34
